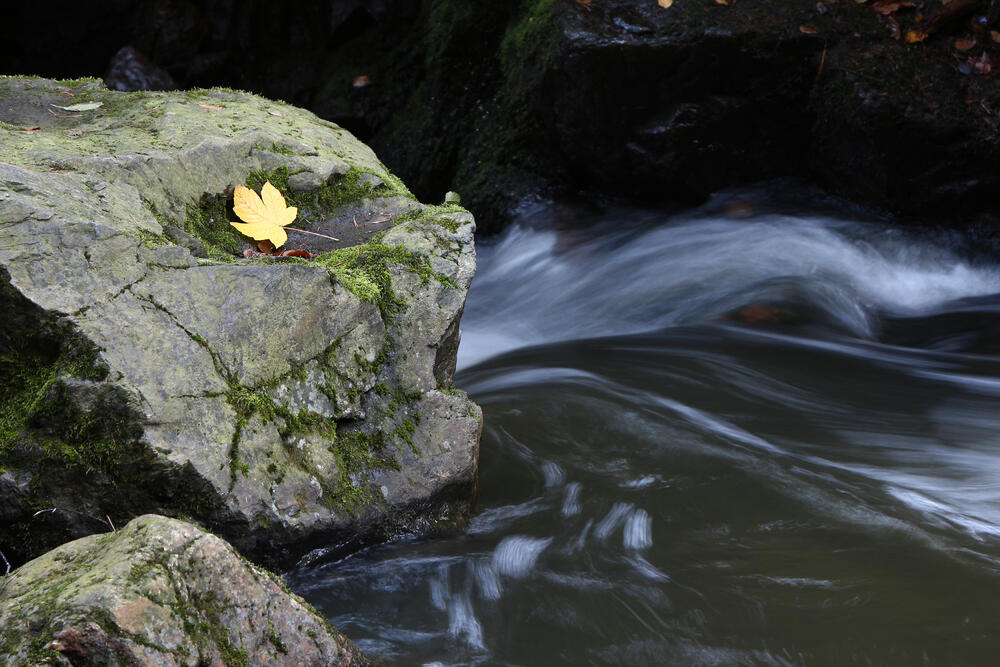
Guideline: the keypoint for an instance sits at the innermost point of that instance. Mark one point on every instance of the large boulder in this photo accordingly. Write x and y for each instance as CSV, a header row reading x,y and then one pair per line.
x,y
289,404
159,592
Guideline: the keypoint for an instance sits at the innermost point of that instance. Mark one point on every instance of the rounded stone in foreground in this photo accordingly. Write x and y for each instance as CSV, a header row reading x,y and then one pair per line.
x,y
159,592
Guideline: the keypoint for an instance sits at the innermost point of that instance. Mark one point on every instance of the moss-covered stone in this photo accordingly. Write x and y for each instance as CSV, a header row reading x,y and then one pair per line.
x,y
159,591
239,392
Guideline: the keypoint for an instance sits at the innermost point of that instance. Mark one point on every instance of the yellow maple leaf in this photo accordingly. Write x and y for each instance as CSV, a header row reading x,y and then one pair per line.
x,y
264,217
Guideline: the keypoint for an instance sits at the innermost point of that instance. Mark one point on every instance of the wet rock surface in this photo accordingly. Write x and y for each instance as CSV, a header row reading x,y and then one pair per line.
x,y
159,592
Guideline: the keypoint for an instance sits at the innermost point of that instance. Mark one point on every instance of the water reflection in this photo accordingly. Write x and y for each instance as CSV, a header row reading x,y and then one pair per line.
x,y
812,481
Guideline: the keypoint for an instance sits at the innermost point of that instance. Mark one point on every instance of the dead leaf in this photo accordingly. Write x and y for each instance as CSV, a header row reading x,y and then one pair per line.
x,y
275,113
265,246
297,252
88,106
964,44
32,128
808,30
665,3
265,216
722,2
362,81
887,7
995,36
915,36
211,107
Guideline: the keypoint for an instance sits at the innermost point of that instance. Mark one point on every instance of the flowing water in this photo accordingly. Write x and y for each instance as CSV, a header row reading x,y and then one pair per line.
x,y
763,439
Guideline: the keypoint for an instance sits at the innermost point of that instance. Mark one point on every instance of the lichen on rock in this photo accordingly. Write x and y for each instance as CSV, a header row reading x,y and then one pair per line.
x,y
263,398
150,594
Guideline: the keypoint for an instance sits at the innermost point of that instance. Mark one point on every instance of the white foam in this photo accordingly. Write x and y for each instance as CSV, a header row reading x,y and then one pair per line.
x,y
612,520
638,532
515,556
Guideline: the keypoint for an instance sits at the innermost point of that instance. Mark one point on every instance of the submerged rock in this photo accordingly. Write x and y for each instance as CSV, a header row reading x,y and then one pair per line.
x,y
159,592
288,405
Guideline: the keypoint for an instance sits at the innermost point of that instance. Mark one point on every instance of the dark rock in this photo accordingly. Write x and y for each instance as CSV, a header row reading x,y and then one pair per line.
x,y
185,240
631,99
130,69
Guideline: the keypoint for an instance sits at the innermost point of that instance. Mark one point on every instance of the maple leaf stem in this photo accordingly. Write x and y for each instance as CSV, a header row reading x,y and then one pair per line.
x,y
293,229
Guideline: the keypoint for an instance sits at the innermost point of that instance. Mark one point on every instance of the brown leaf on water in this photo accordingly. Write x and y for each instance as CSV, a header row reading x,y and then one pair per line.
x,y
964,44
362,81
210,107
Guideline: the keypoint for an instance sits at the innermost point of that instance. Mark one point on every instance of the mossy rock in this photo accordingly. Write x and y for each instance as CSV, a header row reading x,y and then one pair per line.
x,y
238,392
159,592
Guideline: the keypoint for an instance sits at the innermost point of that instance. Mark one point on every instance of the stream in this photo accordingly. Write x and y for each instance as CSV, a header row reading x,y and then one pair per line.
x,y
752,433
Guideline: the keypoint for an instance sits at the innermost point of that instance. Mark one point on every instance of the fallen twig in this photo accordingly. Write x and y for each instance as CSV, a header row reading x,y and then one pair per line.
x,y
303,231
77,512
822,61
387,218
59,115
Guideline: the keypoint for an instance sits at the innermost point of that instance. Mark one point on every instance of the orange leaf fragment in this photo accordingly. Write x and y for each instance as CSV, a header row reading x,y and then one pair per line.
x,y
665,3
995,36
296,252
722,2
964,44
915,36
32,128
211,107
886,7
362,81
808,30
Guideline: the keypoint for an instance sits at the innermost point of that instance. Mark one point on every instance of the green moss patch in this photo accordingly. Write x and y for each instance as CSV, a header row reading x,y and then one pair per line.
x,y
364,270
356,452
36,406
